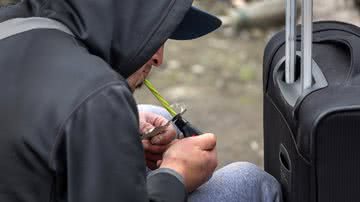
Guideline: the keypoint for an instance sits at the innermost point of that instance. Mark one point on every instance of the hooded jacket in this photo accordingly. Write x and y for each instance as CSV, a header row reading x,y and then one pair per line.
x,y
69,123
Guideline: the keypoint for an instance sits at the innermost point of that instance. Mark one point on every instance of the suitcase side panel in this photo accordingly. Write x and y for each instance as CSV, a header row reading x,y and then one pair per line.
x,y
282,158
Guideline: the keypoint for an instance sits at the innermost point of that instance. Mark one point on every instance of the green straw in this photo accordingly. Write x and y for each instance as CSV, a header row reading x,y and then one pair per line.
x,y
157,95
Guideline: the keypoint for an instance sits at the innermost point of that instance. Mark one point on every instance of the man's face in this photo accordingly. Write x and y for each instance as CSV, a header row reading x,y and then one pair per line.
x,y
137,79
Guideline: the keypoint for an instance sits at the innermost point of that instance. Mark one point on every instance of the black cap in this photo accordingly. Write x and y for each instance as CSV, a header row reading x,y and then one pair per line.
x,y
196,23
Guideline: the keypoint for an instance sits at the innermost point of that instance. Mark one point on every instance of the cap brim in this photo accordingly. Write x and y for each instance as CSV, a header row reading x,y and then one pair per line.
x,y
196,23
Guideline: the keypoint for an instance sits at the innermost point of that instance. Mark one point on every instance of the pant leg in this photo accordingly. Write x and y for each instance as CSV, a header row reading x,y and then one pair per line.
x,y
242,182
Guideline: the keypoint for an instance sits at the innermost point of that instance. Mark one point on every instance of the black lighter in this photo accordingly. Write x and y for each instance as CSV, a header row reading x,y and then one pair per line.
x,y
186,127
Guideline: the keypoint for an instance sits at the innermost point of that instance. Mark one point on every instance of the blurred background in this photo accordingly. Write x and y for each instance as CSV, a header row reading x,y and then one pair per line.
x,y
219,77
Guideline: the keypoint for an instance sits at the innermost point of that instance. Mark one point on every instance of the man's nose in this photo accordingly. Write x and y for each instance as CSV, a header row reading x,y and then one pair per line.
x,y
158,57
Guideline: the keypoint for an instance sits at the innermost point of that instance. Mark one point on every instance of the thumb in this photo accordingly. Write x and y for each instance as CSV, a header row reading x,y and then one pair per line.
x,y
205,141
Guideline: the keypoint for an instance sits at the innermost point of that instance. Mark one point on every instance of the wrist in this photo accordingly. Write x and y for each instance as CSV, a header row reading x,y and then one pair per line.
x,y
175,167
168,171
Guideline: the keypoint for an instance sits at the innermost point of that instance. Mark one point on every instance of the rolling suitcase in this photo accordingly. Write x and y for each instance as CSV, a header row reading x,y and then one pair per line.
x,y
312,109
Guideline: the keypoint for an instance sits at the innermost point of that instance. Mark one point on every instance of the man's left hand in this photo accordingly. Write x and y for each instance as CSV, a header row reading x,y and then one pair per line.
x,y
156,146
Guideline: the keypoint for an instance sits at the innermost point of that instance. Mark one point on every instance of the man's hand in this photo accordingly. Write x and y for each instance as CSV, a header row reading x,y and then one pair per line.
x,y
156,146
194,158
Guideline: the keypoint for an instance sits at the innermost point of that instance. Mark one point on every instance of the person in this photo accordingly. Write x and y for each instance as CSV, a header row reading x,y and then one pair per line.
x,y
70,125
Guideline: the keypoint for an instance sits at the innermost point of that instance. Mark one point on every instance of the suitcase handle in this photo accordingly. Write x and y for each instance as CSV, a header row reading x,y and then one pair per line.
x,y
293,93
306,43
350,42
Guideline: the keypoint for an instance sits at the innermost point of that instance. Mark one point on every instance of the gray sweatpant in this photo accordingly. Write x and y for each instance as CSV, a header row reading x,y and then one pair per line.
x,y
240,181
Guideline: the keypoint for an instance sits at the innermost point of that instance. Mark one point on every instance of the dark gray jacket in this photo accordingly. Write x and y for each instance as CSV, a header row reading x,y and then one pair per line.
x,y
68,121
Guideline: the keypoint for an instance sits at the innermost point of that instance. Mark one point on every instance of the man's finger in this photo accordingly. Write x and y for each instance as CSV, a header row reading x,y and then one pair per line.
x,y
158,163
205,141
213,155
153,157
145,127
156,149
152,165
165,138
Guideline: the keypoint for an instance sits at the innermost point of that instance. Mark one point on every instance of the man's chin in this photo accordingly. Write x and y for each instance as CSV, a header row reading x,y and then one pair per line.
x,y
139,85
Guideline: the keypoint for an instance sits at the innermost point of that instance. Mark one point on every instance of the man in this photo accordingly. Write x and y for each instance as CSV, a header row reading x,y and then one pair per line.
x,y
69,124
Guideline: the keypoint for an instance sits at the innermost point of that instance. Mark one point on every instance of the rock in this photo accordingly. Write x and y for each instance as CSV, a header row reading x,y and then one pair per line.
x,y
218,43
220,84
198,69
254,146
262,14
173,64
179,93
247,74
238,3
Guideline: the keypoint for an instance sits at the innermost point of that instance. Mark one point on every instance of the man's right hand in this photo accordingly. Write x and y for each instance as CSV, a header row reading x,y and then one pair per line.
x,y
194,158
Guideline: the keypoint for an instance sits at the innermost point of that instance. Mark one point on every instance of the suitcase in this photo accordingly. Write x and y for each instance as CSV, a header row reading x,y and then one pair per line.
x,y
311,88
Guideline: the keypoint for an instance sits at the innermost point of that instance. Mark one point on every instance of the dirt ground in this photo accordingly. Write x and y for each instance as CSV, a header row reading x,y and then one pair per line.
x,y
219,79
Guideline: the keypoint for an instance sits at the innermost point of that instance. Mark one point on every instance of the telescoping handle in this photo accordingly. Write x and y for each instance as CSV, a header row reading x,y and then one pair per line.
x,y
306,42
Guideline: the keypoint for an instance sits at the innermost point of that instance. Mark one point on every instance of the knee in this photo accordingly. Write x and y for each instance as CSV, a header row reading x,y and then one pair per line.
x,y
244,169
261,185
247,169
243,166
253,173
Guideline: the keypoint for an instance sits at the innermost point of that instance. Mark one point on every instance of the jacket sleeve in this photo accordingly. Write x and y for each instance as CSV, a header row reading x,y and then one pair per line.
x,y
103,155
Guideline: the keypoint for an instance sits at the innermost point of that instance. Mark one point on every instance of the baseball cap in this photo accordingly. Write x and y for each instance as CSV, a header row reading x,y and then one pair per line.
x,y
196,23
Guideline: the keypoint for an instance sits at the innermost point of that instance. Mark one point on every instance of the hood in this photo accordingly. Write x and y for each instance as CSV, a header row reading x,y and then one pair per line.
x,y
124,33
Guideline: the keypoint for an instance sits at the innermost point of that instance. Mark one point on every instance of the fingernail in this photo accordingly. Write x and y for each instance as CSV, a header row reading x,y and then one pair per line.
x,y
156,140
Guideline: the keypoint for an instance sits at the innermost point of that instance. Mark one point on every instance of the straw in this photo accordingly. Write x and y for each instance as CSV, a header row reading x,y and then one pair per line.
x,y
157,95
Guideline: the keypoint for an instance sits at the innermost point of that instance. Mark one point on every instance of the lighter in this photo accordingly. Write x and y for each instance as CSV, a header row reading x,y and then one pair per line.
x,y
182,124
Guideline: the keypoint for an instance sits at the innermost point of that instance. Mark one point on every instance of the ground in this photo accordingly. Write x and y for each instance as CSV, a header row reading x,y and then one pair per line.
x,y
219,78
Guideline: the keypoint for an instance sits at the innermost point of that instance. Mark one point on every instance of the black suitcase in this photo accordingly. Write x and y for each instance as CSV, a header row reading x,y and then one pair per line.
x,y
312,110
